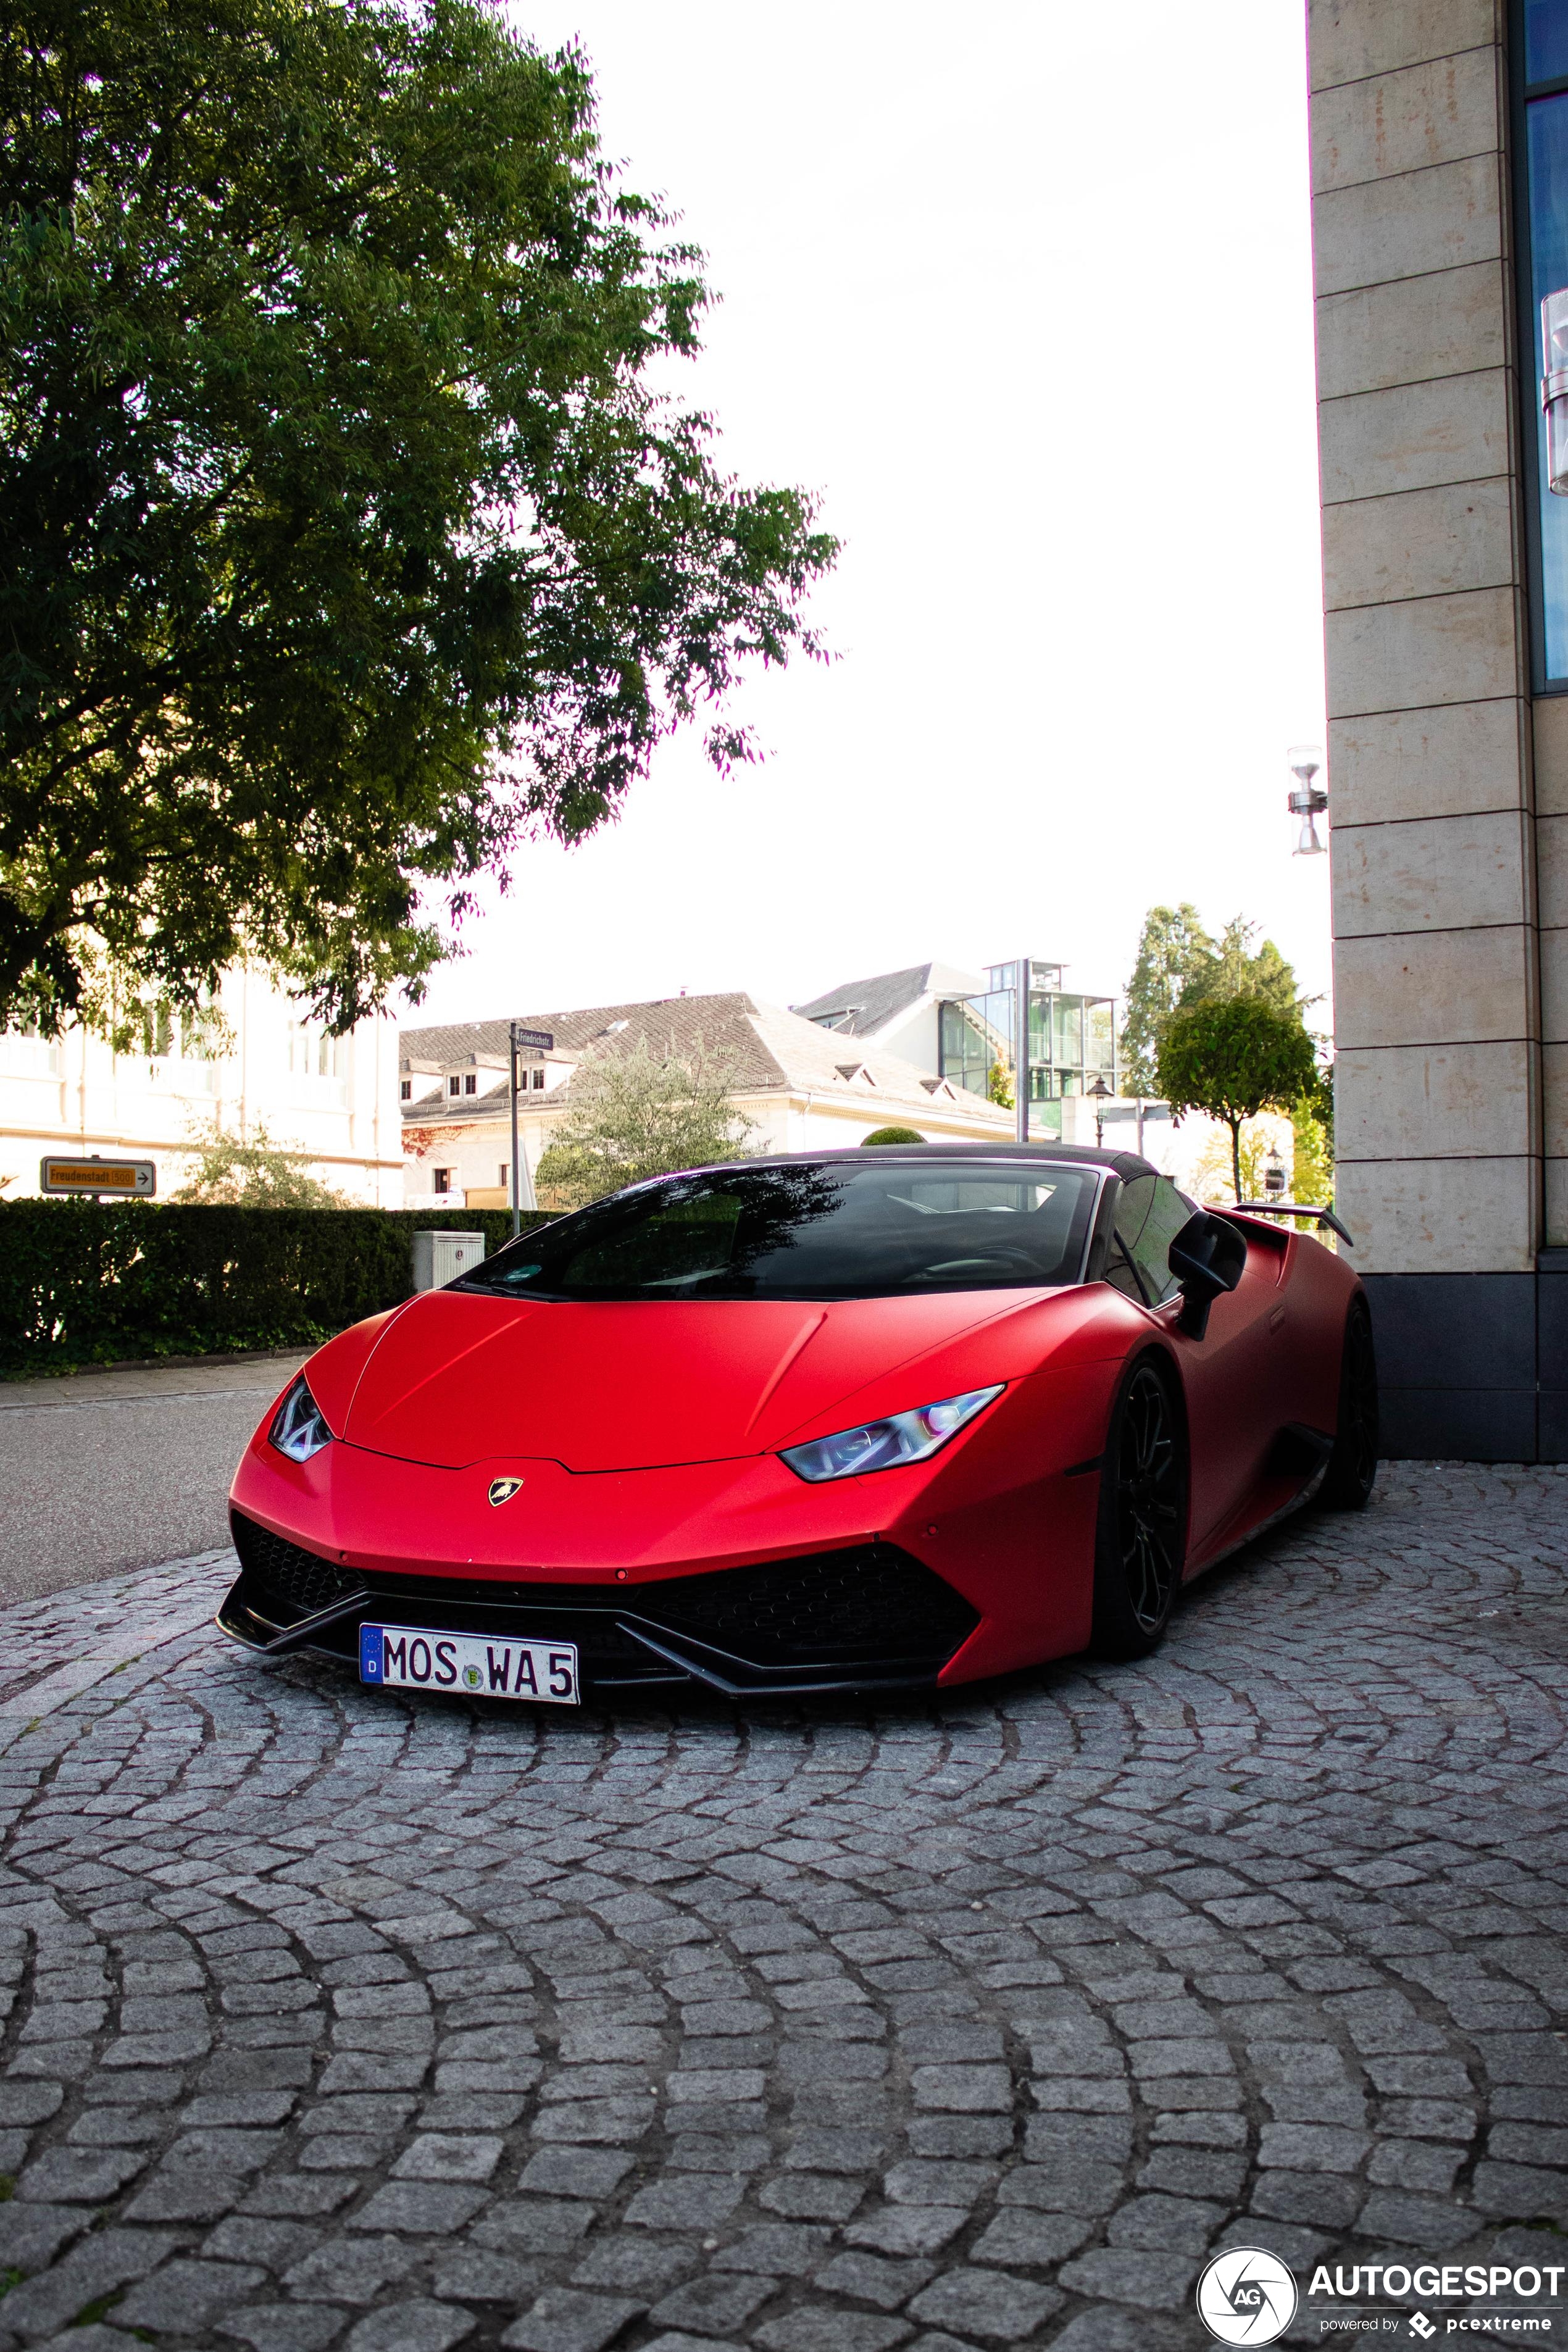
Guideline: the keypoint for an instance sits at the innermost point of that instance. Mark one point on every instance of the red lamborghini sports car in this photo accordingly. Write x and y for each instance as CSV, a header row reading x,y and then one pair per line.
x,y
855,1421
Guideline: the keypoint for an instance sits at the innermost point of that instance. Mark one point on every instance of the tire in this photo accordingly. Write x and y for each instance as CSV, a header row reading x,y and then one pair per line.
x,y
1141,1540
1351,1472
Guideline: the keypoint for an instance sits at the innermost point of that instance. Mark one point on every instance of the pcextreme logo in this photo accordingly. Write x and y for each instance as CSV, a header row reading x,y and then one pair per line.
x,y
1247,2296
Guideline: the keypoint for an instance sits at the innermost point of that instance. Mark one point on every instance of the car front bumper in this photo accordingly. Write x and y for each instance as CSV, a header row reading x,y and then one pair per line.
x,y
735,1574
867,1617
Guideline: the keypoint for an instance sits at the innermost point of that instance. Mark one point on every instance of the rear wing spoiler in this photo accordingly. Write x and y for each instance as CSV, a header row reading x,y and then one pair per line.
x,y
1293,1209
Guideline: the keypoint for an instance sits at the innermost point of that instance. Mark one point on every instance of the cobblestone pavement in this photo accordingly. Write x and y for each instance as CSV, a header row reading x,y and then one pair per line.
x,y
394,2025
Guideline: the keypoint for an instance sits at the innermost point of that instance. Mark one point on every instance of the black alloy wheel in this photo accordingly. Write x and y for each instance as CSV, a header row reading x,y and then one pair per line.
x,y
1142,1537
1351,1472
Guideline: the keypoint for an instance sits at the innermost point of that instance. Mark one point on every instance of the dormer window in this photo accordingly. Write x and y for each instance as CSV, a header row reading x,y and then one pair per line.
x,y
406,1090
471,1084
454,1087
538,1081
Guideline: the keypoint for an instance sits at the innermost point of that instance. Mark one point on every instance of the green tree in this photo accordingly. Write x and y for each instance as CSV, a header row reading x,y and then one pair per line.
x,y
1173,948
1313,1175
631,1117
1236,967
1321,1096
999,1084
347,536
258,1173
1230,1057
892,1135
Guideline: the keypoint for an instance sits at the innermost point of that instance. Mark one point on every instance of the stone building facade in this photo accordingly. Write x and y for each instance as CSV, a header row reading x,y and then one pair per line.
x,y
1447,726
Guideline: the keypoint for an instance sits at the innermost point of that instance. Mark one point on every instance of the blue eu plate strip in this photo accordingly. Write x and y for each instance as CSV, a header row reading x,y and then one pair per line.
x,y
370,1653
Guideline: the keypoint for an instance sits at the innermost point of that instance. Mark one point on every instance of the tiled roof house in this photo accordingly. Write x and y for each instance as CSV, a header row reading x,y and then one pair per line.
x,y
804,1086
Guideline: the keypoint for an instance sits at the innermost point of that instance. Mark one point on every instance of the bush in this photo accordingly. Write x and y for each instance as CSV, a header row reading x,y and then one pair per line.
x,y
85,1284
891,1135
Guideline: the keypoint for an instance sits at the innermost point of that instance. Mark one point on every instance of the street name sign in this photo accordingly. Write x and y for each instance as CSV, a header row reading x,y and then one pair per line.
x,y
533,1041
122,1179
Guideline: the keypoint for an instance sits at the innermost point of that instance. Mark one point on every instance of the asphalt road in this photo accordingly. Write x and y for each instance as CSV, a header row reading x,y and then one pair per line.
x,y
359,2021
102,1472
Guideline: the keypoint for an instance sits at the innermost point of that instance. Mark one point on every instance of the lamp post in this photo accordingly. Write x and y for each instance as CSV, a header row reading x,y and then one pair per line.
x,y
1101,1094
1309,800
1021,1062
516,1186
521,1040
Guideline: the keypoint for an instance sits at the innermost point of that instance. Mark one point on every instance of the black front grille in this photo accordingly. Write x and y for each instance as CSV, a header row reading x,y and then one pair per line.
x,y
300,1579
861,1603
871,1605
868,1611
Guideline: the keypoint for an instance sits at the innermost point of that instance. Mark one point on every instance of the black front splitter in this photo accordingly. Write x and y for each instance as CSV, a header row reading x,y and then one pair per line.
x,y
665,1659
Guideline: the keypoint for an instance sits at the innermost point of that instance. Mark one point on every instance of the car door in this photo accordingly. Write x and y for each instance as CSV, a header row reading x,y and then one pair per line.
x,y
1230,1375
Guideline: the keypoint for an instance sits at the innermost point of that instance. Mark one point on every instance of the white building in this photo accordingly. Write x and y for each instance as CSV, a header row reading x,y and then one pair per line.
x,y
334,1097
804,1088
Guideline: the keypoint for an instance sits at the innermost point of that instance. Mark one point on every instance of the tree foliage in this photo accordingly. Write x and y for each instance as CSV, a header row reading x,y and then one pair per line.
x,y
1173,948
632,1116
1312,1169
1319,1101
1230,1057
345,538
892,1135
1235,967
254,1173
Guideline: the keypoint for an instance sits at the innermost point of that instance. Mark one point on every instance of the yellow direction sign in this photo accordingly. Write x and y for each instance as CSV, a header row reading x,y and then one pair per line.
x,y
121,1179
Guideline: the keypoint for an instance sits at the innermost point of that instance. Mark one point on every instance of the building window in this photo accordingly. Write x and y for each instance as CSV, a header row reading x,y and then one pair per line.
x,y
26,1054
470,1084
1071,1038
406,1090
538,1081
444,1179
454,1087
182,1045
1540,166
319,1063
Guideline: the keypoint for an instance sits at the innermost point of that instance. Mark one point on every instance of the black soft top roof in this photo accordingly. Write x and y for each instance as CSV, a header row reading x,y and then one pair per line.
x,y
1119,1163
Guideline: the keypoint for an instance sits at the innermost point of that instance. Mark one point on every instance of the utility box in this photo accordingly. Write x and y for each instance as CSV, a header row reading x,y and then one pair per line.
x,y
441,1257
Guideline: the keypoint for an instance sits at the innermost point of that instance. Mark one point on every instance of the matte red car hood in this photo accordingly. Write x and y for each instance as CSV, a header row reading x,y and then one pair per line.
x,y
456,1379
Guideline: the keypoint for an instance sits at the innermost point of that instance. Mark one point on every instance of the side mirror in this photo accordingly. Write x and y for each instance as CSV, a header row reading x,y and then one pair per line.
x,y
1208,1256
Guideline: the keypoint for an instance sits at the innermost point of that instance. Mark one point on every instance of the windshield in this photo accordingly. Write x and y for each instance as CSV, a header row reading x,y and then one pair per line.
x,y
830,1230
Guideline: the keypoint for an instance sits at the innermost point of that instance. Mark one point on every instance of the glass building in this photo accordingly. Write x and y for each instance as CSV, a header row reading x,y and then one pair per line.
x,y
1072,1041
1541,97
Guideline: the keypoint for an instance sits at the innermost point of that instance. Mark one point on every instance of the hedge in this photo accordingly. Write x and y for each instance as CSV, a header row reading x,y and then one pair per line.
x,y
82,1283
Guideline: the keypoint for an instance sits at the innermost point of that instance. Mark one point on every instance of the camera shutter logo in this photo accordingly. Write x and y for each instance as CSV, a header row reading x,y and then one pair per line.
x,y
1247,2296
503,1490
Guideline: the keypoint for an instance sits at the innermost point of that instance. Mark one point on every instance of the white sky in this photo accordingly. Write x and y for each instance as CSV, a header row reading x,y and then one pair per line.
x,y
1024,291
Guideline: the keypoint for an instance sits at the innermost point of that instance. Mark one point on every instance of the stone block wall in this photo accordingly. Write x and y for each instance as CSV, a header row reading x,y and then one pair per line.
x,y
1449,788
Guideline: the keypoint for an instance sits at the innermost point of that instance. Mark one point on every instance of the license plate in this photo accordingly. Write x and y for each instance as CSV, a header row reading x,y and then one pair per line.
x,y
413,1657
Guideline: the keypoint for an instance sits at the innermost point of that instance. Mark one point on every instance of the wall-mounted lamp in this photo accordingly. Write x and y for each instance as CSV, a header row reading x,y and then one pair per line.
x,y
1309,800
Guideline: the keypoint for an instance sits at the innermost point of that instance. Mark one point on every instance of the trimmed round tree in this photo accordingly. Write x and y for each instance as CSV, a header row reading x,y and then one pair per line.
x,y
1230,1057
891,1135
